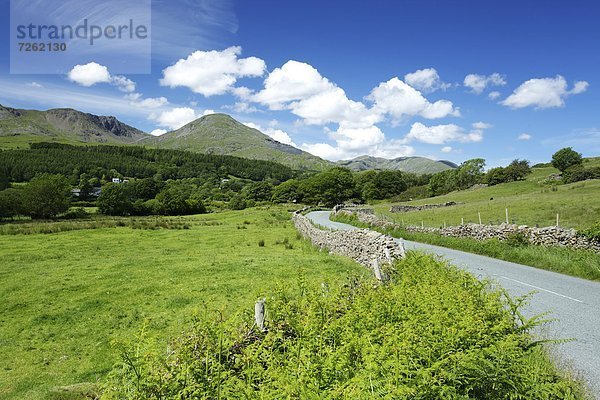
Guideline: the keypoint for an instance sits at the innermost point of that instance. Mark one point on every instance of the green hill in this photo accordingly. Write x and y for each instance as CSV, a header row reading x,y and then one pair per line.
x,y
416,165
529,202
18,128
221,134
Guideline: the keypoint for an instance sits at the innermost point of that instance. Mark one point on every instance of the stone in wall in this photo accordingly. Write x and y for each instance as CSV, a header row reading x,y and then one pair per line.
x,y
407,208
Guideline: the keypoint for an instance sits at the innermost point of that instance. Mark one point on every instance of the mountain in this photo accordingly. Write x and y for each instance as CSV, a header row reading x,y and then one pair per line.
x,y
221,134
18,128
416,165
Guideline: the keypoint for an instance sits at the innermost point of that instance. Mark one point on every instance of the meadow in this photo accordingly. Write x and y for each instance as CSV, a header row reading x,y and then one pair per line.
x,y
69,298
530,202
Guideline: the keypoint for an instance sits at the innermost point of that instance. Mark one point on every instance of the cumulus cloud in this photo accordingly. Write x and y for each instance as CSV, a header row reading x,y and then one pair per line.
x,y
543,93
275,134
399,100
524,136
158,132
478,83
212,72
35,85
426,80
446,149
93,73
175,118
481,125
442,134
89,74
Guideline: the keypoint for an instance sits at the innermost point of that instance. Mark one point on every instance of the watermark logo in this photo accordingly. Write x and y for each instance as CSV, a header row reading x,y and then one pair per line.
x,y
52,36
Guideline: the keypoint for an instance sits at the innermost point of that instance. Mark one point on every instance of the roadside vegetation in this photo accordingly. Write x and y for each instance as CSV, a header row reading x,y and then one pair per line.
x,y
580,263
434,332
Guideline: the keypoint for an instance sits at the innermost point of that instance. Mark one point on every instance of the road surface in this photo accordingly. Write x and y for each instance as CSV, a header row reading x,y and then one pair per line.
x,y
573,302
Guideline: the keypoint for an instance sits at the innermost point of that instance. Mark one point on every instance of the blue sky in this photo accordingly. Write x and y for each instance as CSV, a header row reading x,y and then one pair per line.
x,y
443,79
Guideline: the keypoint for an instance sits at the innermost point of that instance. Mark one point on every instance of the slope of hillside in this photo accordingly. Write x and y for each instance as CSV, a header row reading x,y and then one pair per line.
x,y
18,128
529,202
221,134
417,165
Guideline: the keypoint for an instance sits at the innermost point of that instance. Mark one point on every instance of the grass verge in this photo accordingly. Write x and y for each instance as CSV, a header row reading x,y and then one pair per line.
x,y
67,297
579,263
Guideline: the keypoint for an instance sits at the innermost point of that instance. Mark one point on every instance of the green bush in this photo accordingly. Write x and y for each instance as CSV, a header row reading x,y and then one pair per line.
x,y
516,239
434,333
593,232
46,196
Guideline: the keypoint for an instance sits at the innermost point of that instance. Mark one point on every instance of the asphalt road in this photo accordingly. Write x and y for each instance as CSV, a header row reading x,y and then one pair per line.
x,y
573,302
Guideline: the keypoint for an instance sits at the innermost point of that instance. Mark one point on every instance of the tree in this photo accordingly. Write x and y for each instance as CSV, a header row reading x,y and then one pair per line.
x,y
4,181
565,158
46,196
179,199
517,170
237,202
495,176
329,188
258,191
115,199
286,192
10,203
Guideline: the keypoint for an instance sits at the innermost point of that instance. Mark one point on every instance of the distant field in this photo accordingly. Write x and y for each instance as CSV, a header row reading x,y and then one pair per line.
x,y
67,296
528,203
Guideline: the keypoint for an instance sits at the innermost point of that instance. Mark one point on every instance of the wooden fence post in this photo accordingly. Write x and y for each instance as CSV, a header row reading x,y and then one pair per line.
x,y
259,314
479,214
507,215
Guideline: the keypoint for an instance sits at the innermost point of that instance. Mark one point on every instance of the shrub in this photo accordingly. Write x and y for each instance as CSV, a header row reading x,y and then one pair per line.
x,y
516,239
261,243
434,333
115,199
593,232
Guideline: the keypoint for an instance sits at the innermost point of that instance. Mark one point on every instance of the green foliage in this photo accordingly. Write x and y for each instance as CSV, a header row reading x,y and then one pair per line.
x,y
286,192
131,161
593,232
4,181
434,333
11,203
115,199
516,239
383,184
466,175
578,172
237,202
515,171
328,188
46,196
565,158
179,199
258,191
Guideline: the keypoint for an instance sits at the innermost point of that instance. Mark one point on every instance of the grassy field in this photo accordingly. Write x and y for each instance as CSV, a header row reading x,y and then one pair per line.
x,y
529,203
67,296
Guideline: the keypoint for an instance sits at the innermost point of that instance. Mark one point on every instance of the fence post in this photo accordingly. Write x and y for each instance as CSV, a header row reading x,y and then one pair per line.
x,y
507,215
379,275
557,220
462,221
259,314
479,214
422,224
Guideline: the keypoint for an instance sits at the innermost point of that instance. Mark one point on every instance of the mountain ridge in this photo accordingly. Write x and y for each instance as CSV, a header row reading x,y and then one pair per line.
x,y
413,164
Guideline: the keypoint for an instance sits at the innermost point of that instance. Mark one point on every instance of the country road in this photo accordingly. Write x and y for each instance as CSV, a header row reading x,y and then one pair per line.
x,y
573,302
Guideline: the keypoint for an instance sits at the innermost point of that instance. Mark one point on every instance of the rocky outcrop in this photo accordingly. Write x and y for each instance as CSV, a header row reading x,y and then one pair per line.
x,y
406,208
548,236
362,245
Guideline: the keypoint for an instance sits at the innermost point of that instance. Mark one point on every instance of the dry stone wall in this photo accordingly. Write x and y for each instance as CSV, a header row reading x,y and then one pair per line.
x,y
406,208
548,236
362,245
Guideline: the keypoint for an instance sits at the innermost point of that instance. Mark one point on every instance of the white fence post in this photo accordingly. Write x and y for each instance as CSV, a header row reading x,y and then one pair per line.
x,y
479,214
507,215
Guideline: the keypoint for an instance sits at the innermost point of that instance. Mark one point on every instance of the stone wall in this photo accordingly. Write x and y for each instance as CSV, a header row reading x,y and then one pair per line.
x,y
406,208
548,236
362,245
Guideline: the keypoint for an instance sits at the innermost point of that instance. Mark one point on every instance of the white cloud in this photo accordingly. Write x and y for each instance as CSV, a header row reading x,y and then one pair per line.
x,y
543,93
400,100
158,132
446,149
212,72
441,134
481,125
276,134
92,73
35,85
524,136
175,118
138,100
426,80
494,95
478,83
89,74
122,83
